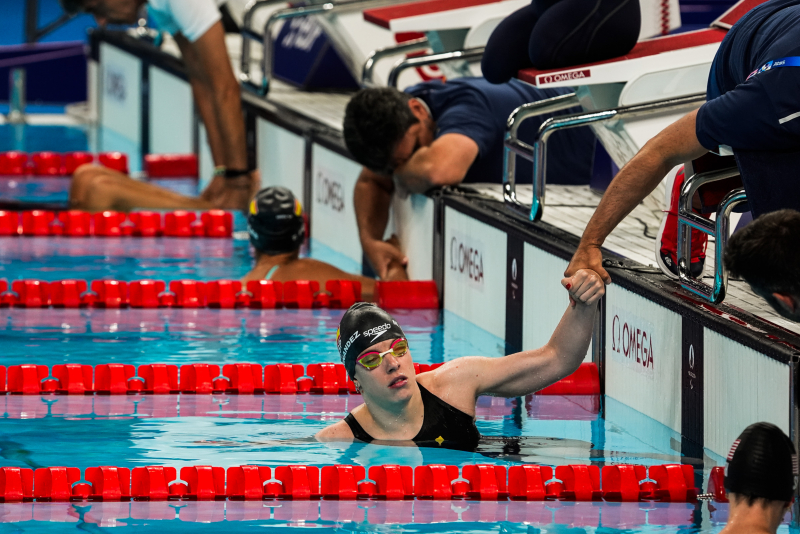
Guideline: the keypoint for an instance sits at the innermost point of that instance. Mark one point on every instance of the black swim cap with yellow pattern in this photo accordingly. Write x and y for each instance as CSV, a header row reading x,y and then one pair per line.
x,y
275,221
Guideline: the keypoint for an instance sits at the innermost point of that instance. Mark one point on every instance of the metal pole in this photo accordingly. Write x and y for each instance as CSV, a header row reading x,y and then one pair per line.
x,y
16,93
31,20
368,70
408,63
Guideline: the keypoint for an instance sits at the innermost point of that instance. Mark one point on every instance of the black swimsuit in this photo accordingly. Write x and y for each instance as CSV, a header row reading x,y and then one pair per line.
x,y
441,422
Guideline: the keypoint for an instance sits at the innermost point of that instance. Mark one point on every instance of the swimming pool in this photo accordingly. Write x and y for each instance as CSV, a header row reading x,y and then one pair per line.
x,y
225,430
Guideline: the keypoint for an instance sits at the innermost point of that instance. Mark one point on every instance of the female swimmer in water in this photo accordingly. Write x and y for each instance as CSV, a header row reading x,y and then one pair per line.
x,y
276,228
439,406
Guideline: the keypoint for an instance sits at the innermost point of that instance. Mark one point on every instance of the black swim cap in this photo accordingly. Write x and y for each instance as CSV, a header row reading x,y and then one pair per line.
x,y
762,464
362,326
275,222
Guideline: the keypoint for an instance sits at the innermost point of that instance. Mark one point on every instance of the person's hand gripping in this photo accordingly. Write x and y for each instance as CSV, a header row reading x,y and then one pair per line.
x,y
585,288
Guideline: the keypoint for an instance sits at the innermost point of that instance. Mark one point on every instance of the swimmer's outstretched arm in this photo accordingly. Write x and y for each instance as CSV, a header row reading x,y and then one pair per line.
x,y
525,372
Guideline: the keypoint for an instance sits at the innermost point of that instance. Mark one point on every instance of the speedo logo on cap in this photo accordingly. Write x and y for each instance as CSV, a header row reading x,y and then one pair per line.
x,y
253,207
376,331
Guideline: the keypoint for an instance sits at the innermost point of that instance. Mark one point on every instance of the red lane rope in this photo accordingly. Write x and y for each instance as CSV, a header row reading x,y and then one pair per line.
x,y
630,483
234,378
258,294
76,223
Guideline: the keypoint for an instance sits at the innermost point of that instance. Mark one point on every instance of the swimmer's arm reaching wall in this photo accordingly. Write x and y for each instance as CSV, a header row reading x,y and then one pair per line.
x,y
676,144
444,162
372,198
460,381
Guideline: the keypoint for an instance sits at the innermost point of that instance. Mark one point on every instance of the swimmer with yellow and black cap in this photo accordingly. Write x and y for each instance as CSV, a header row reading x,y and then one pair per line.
x,y
439,406
277,230
759,479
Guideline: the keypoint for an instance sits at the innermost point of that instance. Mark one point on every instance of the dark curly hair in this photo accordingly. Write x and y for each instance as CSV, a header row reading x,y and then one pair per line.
x,y
766,253
375,120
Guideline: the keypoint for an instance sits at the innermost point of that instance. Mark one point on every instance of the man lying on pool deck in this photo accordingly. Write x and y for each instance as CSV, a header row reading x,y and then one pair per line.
x,y
439,406
436,134
276,227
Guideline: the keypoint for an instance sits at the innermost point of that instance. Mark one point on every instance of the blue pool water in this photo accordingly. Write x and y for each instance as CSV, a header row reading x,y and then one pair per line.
x,y
228,430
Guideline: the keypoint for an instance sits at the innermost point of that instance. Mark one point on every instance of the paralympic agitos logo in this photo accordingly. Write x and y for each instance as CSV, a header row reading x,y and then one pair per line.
x,y
466,258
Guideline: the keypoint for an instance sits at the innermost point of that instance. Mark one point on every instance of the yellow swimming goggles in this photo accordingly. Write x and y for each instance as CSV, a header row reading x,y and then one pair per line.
x,y
371,360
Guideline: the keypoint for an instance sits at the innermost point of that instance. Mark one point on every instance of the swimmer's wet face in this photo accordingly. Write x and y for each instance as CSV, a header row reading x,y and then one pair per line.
x,y
110,11
392,378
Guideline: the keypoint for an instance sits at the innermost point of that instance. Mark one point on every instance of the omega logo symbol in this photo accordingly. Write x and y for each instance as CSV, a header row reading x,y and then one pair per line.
x,y
691,356
514,269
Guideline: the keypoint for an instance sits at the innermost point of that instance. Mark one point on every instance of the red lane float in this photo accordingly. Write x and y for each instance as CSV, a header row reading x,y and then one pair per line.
x,y
55,164
417,294
114,160
335,482
13,163
77,223
203,378
257,294
171,165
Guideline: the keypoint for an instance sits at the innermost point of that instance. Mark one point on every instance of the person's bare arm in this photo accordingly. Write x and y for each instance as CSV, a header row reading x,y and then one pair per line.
x,y
372,199
338,431
217,95
445,162
676,144
462,380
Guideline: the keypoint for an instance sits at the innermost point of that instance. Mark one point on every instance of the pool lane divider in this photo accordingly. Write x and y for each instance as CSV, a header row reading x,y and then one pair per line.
x,y
77,223
258,294
236,378
620,483
54,164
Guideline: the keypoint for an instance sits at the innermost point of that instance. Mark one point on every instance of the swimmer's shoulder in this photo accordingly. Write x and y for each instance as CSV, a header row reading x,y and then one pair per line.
x,y
339,431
